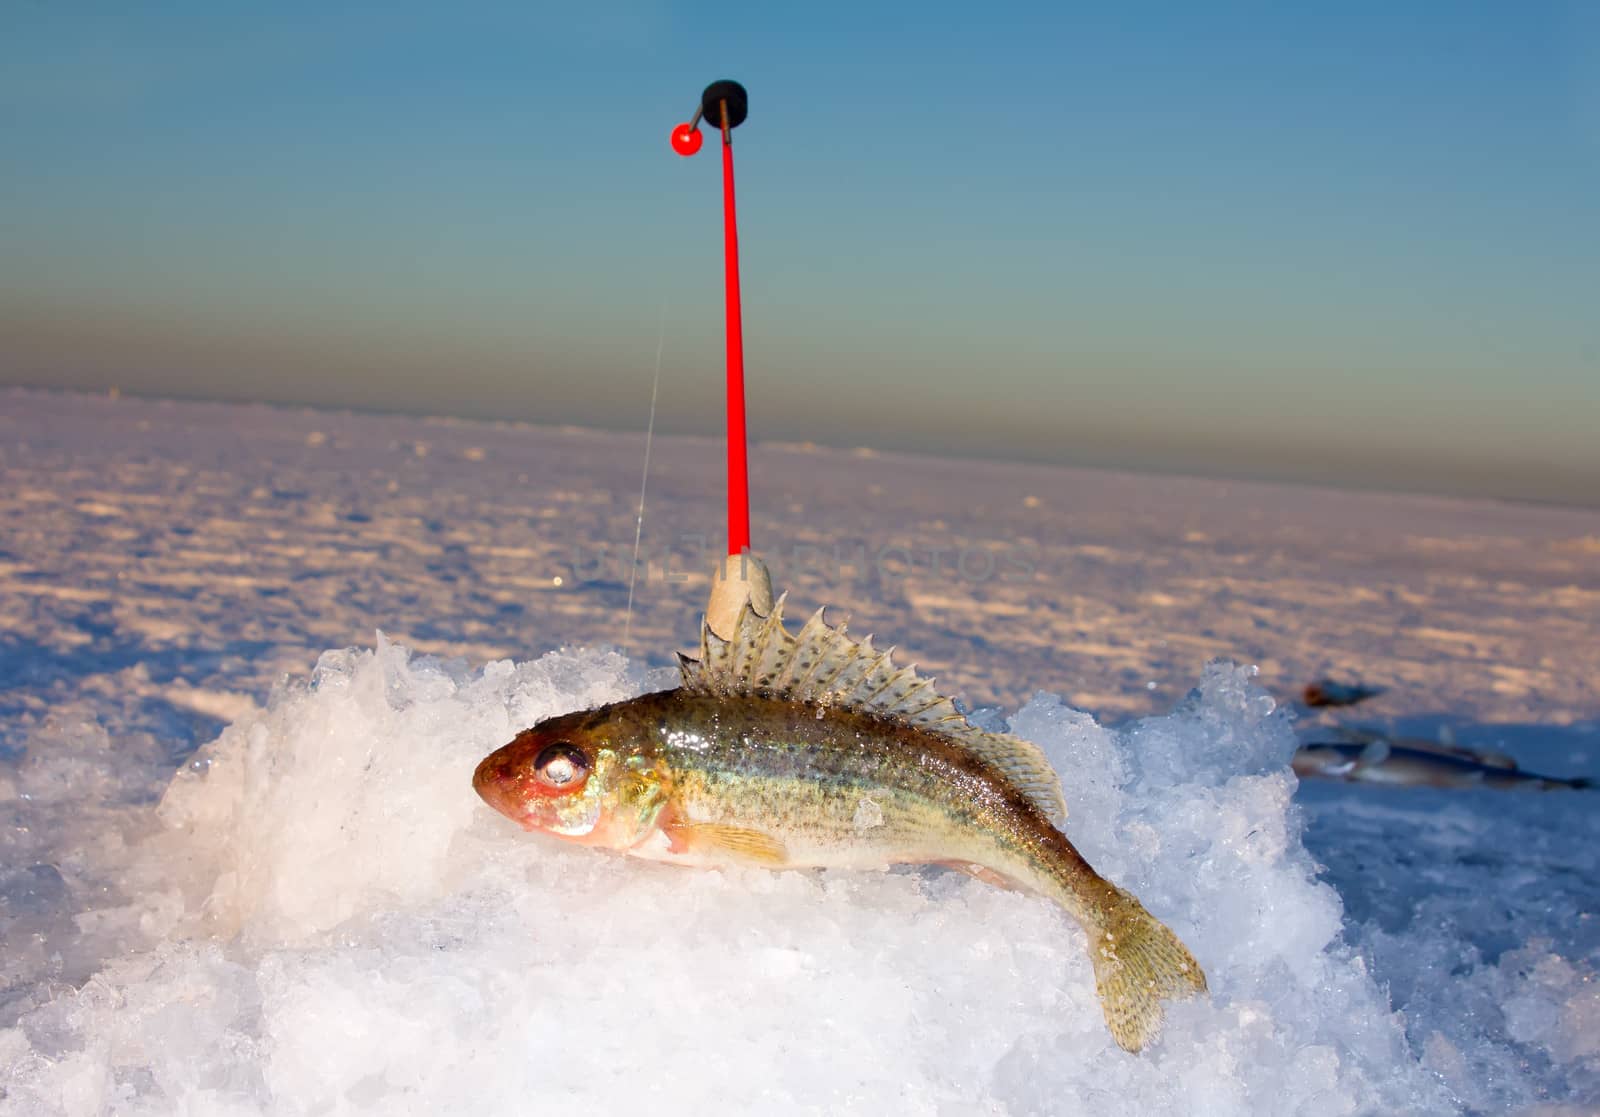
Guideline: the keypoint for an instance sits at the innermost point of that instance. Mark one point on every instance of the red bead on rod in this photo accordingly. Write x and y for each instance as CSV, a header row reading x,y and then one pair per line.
x,y
686,139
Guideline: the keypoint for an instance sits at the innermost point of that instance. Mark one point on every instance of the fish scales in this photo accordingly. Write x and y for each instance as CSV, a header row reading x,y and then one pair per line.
x,y
774,766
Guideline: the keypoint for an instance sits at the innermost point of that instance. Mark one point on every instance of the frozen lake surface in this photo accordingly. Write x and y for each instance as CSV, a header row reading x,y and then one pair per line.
x,y
318,916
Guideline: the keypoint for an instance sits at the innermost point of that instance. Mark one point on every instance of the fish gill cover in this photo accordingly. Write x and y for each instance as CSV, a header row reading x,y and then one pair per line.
x,y
327,920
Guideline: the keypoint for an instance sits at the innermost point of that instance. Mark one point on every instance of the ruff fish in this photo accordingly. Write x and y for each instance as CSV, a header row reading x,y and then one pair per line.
x,y
813,750
1420,764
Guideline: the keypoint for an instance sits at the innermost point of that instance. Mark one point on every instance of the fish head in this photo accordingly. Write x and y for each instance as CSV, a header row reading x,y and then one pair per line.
x,y
577,777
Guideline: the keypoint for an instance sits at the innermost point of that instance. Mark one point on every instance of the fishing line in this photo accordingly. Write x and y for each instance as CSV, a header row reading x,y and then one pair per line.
x,y
644,480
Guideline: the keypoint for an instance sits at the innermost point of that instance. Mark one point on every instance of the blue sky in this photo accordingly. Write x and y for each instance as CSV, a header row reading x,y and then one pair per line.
x,y
1351,243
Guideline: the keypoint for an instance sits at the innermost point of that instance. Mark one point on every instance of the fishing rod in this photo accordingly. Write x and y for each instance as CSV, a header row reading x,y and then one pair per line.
x,y
741,577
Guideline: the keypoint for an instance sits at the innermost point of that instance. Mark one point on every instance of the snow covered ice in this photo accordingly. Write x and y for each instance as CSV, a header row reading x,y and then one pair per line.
x,y
317,915
332,922
337,922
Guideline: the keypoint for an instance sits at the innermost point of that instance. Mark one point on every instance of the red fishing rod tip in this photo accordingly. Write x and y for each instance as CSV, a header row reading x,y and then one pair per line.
x,y
686,139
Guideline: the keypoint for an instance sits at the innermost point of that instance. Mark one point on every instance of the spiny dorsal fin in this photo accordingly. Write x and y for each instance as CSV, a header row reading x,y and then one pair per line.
x,y
823,665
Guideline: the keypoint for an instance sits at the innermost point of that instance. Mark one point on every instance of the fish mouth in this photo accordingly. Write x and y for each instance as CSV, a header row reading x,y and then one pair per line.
x,y
494,782
484,777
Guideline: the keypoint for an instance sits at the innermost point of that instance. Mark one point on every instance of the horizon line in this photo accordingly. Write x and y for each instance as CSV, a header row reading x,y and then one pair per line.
x,y
1150,469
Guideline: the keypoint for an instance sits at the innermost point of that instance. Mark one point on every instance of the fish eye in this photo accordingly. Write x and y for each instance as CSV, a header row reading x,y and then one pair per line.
x,y
561,764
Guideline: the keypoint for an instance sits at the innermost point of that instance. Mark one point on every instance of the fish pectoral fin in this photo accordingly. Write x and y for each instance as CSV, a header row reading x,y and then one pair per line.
x,y
738,843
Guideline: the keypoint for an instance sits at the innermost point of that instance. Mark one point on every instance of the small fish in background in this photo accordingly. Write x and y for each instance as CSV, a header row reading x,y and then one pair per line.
x,y
1326,692
814,750
1407,762
1444,746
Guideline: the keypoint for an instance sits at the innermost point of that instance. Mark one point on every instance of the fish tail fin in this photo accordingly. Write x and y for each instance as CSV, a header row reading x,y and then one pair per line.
x,y
1581,783
1138,965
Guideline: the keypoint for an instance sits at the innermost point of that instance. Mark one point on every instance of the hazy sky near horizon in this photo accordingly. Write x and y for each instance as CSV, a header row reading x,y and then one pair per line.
x,y
1349,243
